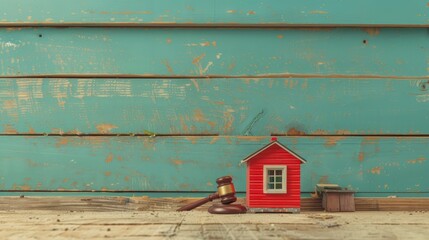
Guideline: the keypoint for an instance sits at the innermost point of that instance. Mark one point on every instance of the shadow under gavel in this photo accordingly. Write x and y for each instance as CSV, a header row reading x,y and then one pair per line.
x,y
225,191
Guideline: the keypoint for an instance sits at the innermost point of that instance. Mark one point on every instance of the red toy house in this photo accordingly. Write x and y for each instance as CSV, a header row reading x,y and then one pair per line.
x,y
273,179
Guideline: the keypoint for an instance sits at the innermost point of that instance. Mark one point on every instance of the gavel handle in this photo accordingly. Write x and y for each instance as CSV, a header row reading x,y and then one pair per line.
x,y
200,202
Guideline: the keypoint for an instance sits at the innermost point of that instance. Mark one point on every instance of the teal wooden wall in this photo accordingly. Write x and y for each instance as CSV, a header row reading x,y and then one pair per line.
x,y
162,97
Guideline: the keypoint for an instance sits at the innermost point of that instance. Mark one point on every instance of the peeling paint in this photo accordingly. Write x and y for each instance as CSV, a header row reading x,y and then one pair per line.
x,y
9,129
318,12
105,128
417,160
376,170
320,132
195,82
199,116
10,104
177,162
333,140
109,158
62,141
169,68
295,132
228,121
361,156
214,139
6,45
372,31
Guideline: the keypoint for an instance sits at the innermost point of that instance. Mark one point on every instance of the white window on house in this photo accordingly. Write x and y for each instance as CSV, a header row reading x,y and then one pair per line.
x,y
275,179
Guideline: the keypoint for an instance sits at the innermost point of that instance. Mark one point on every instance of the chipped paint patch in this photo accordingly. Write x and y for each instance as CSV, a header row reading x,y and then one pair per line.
x,y
332,141
9,129
107,173
196,85
320,132
7,45
228,121
280,36
251,138
199,116
214,139
168,66
105,128
372,31
422,98
342,132
10,104
62,141
417,160
177,162
193,139
109,158
318,12
295,132
361,156
376,170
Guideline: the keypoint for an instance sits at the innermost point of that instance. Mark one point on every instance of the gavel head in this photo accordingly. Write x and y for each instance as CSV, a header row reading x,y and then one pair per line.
x,y
226,190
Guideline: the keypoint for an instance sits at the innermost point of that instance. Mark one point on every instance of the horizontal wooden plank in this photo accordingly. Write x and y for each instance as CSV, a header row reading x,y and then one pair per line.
x,y
371,166
109,204
214,106
388,53
287,12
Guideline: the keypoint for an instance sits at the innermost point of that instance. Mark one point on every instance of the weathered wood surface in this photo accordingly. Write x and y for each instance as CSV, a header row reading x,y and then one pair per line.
x,y
369,165
388,53
202,225
216,106
286,12
144,203
267,78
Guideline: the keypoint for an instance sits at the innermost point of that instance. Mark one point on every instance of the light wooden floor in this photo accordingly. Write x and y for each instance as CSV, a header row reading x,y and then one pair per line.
x,y
45,224
146,218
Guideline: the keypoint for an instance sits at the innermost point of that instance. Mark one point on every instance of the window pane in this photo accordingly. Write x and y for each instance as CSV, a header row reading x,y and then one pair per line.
x,y
270,172
270,186
278,186
278,179
279,172
271,179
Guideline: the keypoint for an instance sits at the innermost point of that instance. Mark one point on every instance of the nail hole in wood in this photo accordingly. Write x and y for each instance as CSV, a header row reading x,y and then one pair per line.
x,y
365,41
40,35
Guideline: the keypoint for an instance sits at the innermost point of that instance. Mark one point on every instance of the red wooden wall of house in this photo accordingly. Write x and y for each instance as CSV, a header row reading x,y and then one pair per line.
x,y
274,155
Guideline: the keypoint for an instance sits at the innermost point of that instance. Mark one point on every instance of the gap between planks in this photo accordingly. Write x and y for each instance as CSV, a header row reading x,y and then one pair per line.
x,y
261,76
201,25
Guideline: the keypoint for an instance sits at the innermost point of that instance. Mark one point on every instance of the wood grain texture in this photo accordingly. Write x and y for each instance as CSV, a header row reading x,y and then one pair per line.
x,y
144,203
288,12
213,106
193,163
389,53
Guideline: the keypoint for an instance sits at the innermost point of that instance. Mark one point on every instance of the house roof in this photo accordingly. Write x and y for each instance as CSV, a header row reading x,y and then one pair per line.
x,y
269,145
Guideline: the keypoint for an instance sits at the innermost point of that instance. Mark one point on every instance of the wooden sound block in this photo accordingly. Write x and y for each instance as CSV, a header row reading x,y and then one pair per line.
x,y
227,209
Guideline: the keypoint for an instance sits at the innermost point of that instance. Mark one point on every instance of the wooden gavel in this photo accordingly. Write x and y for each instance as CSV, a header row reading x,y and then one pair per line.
x,y
225,191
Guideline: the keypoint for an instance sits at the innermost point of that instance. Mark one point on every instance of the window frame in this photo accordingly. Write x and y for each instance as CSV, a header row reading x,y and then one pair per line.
x,y
284,175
